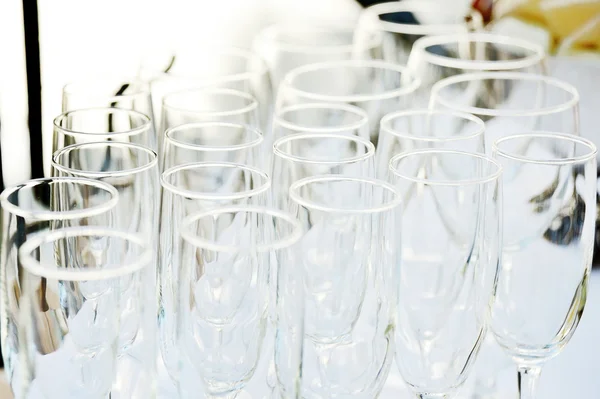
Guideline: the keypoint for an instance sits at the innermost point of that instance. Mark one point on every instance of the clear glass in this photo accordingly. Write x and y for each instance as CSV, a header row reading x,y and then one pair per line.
x,y
351,262
225,333
79,284
103,124
321,118
189,189
36,206
510,102
436,57
419,129
213,142
377,87
115,92
312,154
401,23
550,184
209,66
446,281
288,46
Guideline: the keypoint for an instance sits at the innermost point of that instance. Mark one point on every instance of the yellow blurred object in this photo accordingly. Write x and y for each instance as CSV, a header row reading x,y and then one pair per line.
x,y
574,25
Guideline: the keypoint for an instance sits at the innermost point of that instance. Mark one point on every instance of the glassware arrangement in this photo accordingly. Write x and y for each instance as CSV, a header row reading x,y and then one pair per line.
x,y
414,193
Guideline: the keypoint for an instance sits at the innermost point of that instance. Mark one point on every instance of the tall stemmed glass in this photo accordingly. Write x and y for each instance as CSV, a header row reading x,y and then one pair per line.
x,y
188,189
351,261
437,57
224,331
320,118
312,154
418,129
377,87
548,239
400,23
510,102
103,124
132,169
213,142
446,281
74,283
285,47
209,66
35,206
113,92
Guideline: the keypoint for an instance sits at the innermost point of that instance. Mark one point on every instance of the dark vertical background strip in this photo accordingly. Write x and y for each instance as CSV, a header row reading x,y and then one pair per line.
x,y
34,86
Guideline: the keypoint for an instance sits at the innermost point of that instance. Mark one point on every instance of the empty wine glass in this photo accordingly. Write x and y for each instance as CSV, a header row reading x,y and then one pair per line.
x,y
401,23
102,124
436,57
550,184
36,206
351,261
113,92
285,47
375,86
510,102
418,129
224,331
320,118
446,280
73,312
213,142
312,154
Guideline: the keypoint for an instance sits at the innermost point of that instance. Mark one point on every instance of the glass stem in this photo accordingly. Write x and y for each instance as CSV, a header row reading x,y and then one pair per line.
x,y
528,377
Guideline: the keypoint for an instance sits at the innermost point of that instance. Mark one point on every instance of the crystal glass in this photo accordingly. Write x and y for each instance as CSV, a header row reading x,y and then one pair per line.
x,y
550,184
113,92
401,23
36,206
102,124
510,102
213,142
188,189
351,260
312,154
377,87
419,129
287,46
209,66
446,281
74,310
320,118
225,331
436,57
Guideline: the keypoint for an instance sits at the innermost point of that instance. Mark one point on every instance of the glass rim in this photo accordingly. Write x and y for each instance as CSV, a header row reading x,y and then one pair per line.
x,y
387,206
277,151
212,148
356,63
251,106
143,88
379,9
481,76
146,122
578,140
263,188
220,50
269,36
43,269
386,124
8,206
197,241
490,177
117,173
423,43
351,109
